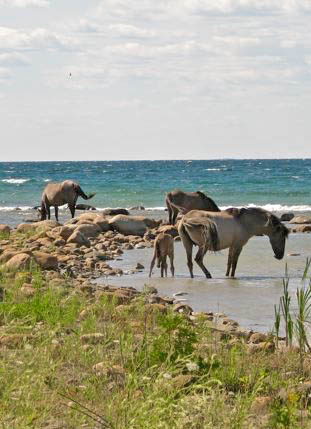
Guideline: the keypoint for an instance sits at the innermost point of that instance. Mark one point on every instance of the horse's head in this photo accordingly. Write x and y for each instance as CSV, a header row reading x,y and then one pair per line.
x,y
277,233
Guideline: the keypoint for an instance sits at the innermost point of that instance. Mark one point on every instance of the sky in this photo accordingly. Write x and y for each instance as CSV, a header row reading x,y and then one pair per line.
x,y
146,79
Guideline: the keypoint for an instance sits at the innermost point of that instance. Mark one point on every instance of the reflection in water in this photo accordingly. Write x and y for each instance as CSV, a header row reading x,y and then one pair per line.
x,y
249,298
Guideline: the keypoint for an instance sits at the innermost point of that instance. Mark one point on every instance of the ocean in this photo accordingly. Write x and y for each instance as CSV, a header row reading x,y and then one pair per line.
x,y
276,185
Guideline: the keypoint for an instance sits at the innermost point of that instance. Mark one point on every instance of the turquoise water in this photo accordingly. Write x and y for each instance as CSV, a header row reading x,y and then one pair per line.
x,y
274,184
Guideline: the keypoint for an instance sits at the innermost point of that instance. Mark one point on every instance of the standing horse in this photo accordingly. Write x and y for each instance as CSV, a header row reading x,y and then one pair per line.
x,y
178,200
231,228
58,194
163,247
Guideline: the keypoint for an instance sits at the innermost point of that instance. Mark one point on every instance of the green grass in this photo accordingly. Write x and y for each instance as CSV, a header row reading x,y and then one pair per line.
x,y
162,370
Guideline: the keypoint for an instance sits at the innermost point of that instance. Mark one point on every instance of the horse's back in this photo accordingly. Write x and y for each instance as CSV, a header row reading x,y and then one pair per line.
x,y
229,228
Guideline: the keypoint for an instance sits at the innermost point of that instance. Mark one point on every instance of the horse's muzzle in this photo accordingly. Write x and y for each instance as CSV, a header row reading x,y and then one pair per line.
x,y
278,257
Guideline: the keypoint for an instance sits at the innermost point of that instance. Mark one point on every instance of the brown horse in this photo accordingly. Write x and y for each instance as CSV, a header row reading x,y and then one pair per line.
x,y
178,200
163,247
231,229
58,194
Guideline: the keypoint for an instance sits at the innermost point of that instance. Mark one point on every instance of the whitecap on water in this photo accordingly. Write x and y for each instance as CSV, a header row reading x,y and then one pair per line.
x,y
15,181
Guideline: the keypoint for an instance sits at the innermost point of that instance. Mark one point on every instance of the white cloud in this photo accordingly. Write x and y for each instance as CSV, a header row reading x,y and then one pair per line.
x,y
13,59
35,39
24,3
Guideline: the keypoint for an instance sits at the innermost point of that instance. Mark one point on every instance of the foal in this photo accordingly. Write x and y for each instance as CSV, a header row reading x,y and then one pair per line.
x,y
163,247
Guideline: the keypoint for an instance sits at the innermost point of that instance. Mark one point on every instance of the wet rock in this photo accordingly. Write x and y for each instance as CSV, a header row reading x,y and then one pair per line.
x,y
139,266
84,207
286,217
301,219
182,308
114,212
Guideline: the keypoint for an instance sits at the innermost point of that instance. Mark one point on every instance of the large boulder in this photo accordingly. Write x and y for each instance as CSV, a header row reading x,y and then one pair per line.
x,y
132,225
43,225
89,230
78,238
102,222
114,212
87,217
46,261
300,219
286,217
66,231
18,261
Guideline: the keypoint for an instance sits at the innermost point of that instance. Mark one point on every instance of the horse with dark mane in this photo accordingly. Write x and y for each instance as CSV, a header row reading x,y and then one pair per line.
x,y
178,200
58,194
231,229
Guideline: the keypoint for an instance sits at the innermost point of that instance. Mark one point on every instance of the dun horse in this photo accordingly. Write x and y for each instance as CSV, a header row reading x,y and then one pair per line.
x,y
58,194
163,247
231,229
185,201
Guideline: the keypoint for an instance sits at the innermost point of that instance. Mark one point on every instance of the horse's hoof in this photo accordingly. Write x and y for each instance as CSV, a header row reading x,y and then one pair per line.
x,y
208,276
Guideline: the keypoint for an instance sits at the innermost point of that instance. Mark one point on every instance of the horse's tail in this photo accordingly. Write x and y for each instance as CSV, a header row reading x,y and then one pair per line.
x,y
43,211
206,229
79,191
157,253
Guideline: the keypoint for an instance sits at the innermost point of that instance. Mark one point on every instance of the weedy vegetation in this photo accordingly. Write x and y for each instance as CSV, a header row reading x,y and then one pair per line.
x,y
69,359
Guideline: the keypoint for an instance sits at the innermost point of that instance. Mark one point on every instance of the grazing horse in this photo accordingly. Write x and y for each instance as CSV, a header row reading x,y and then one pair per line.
x,y
231,228
163,247
178,200
58,194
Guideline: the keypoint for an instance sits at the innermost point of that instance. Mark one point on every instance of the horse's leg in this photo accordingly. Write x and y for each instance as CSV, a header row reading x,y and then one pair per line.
x,y
171,256
162,268
165,265
199,260
175,213
188,247
229,263
235,256
152,263
170,214
56,212
72,210
48,210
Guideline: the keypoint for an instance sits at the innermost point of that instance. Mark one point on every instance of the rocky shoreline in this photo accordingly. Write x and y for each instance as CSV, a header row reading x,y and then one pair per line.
x,y
80,251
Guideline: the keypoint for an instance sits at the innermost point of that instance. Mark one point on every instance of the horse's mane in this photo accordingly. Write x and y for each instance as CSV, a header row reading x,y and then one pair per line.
x,y
270,216
211,202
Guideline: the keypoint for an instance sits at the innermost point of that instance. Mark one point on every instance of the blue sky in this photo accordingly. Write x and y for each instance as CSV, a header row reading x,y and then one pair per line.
x,y
145,79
